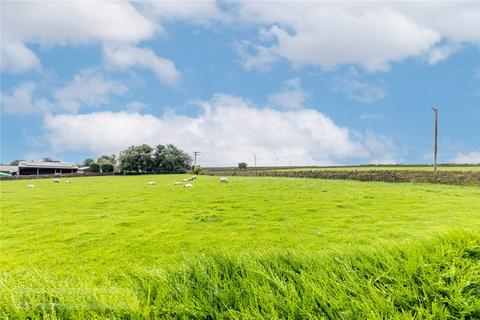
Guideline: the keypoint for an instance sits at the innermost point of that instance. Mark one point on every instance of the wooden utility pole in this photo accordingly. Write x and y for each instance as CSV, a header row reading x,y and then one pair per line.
x,y
255,160
435,110
195,154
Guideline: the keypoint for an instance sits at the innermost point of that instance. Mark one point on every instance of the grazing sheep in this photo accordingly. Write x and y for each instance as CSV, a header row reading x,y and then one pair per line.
x,y
56,181
177,183
68,181
223,180
188,185
30,186
186,179
151,183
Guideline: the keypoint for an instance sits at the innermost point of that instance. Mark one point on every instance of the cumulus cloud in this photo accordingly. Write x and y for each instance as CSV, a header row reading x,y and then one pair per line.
x,y
89,88
17,58
368,34
117,26
128,56
228,130
325,34
62,23
441,53
472,157
74,22
19,100
291,97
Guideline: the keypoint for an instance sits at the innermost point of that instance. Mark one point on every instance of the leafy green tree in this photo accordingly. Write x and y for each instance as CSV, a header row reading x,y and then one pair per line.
x,y
242,165
87,162
137,159
95,167
106,163
170,159
106,159
106,167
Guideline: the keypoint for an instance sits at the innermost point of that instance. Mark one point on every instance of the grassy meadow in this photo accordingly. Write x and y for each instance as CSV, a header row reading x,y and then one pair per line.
x,y
116,247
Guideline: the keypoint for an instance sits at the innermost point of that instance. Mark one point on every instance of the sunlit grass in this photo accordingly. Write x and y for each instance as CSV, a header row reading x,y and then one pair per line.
x,y
109,245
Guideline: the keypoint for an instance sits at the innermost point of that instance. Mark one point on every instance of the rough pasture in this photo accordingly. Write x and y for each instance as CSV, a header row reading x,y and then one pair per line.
x,y
118,247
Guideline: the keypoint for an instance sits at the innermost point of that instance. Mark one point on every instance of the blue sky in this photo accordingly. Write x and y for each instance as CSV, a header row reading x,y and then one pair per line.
x,y
304,83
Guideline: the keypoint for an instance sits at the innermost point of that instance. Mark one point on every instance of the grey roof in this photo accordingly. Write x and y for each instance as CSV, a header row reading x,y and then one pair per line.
x,y
8,168
44,164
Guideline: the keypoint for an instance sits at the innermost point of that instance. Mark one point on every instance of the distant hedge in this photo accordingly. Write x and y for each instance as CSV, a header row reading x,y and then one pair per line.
x,y
444,177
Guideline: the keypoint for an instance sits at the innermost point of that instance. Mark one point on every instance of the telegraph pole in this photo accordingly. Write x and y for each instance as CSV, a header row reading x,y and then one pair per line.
x,y
255,160
195,154
435,110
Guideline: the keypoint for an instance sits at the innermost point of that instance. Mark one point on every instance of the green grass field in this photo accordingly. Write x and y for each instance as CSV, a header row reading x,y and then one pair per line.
x,y
366,168
115,247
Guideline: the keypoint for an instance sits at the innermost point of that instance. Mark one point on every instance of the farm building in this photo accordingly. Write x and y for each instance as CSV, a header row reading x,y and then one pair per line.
x,y
8,170
43,167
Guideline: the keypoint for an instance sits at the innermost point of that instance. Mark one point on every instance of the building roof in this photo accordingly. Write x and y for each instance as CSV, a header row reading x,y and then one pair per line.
x,y
44,164
8,168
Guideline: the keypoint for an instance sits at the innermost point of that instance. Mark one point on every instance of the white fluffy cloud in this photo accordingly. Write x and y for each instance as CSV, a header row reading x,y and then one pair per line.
x,y
369,34
228,130
20,100
89,88
17,58
118,26
128,56
472,157
291,97
325,34
48,22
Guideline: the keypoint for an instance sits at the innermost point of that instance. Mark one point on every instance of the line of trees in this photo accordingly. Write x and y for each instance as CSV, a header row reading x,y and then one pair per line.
x,y
160,159
105,163
143,159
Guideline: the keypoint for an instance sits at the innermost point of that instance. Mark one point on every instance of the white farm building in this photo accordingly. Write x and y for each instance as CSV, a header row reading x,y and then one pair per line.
x,y
39,168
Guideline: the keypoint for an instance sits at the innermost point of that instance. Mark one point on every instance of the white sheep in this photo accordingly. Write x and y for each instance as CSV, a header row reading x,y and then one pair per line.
x,y
186,179
68,181
30,186
177,183
56,181
188,185
151,183
223,180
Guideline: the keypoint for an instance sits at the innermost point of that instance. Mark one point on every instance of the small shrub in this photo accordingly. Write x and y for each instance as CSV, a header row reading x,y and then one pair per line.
x,y
242,165
197,169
